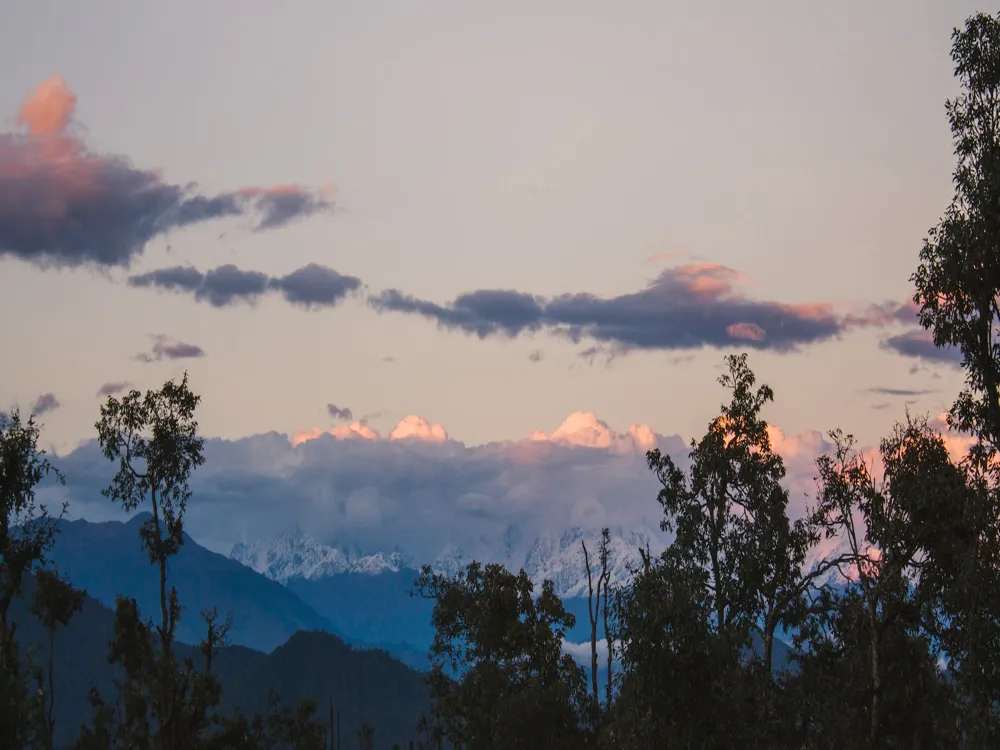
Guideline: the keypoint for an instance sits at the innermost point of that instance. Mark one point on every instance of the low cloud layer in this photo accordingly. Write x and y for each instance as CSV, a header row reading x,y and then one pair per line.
x,y
686,307
419,491
44,404
310,286
165,347
63,205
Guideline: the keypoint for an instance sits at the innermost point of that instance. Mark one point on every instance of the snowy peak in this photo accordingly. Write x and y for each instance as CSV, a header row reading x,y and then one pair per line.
x,y
299,555
554,556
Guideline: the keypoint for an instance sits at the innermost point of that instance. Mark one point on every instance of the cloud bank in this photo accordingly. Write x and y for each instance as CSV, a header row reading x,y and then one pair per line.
x,y
417,490
61,204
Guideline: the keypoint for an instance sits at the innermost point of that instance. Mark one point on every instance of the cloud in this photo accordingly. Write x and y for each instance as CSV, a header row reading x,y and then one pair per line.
x,y
337,413
584,429
883,391
167,348
418,428
686,307
310,286
417,490
111,389
919,344
581,651
61,204
45,403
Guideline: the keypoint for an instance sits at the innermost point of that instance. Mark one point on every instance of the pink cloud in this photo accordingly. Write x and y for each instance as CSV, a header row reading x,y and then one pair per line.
x,y
63,205
420,429
748,331
584,429
48,109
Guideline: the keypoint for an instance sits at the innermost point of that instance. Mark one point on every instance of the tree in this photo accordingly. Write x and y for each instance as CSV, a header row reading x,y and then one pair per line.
x,y
958,279
153,438
730,519
54,603
887,528
957,290
594,612
514,686
678,675
27,533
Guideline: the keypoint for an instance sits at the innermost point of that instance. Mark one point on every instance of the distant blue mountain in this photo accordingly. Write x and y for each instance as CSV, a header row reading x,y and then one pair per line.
x,y
107,559
371,609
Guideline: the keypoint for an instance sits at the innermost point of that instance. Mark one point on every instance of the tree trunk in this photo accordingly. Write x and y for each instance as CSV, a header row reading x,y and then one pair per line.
x,y
876,690
592,611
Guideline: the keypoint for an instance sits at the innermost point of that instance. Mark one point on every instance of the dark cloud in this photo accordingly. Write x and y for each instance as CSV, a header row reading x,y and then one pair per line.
x,y
45,403
279,206
688,307
166,348
883,391
310,286
338,413
919,344
315,286
61,204
111,389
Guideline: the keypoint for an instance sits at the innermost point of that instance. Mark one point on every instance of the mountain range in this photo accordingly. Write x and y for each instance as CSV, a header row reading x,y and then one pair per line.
x,y
285,593
363,685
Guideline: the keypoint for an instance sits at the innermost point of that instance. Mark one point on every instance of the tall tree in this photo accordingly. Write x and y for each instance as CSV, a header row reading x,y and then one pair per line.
x,y
27,533
730,516
595,611
154,440
866,641
958,279
958,292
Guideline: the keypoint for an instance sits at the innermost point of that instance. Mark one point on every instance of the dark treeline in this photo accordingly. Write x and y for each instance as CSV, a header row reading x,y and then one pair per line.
x,y
895,637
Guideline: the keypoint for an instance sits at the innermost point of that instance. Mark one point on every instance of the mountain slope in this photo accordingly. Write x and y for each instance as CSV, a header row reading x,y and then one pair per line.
x,y
107,559
364,685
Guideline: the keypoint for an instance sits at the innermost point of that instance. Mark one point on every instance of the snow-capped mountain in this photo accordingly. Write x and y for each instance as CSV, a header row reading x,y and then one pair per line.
x,y
299,555
555,556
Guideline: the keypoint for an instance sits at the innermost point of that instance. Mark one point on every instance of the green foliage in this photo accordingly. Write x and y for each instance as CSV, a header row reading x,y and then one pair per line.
x,y
515,687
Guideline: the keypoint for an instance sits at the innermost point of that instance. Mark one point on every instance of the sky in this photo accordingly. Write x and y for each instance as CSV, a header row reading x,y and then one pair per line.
x,y
467,223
